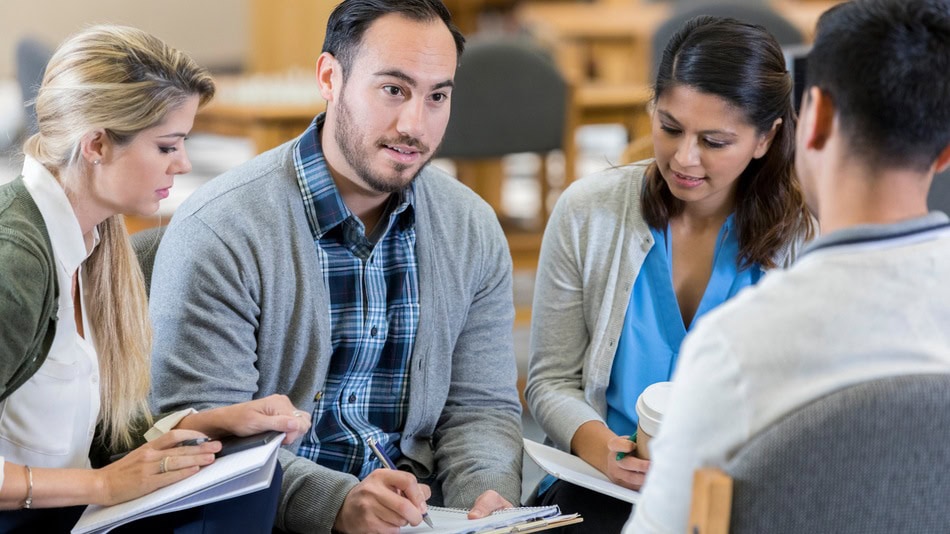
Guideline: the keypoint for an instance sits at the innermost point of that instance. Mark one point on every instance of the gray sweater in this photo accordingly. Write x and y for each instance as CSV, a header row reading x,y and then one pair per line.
x,y
241,311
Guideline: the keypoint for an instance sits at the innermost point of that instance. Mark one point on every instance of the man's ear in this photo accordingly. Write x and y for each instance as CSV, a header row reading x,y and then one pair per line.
x,y
329,76
943,160
817,120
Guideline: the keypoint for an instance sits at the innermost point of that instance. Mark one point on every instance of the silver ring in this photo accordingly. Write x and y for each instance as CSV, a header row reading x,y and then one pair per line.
x,y
298,413
163,465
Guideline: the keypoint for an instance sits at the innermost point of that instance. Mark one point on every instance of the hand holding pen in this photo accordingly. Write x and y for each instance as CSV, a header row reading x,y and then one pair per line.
x,y
623,466
382,502
388,464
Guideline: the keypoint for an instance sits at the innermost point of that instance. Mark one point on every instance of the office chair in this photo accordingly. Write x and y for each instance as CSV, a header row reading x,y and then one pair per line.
x,y
755,13
873,457
145,244
509,98
32,55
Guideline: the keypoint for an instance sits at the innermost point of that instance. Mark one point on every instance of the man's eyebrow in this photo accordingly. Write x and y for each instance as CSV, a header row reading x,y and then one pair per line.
x,y
410,80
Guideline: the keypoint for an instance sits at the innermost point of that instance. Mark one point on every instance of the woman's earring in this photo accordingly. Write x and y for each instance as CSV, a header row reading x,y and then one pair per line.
x,y
96,162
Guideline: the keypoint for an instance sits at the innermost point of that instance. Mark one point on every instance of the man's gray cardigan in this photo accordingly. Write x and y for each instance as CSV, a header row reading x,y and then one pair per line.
x,y
241,311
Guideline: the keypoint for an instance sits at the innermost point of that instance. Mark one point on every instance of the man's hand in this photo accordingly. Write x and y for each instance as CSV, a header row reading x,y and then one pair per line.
x,y
384,501
488,503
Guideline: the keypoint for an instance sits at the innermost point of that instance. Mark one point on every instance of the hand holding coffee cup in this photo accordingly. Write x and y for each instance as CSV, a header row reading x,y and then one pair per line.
x,y
650,408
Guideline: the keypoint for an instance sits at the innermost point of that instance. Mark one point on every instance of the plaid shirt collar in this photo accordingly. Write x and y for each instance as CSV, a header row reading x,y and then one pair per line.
x,y
323,205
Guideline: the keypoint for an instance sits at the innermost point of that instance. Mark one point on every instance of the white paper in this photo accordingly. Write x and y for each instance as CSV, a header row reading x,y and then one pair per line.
x,y
230,476
576,471
454,521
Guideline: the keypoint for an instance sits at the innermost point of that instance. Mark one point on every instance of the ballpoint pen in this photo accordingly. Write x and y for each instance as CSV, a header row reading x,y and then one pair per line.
x,y
388,464
186,443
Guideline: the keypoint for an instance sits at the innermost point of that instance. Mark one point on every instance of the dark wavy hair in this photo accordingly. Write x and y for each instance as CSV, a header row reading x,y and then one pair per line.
x,y
742,64
351,18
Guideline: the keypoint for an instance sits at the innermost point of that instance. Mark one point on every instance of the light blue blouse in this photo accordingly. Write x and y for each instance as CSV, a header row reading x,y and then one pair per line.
x,y
653,328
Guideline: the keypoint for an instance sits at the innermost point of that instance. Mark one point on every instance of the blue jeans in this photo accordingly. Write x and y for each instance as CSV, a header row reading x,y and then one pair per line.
x,y
251,513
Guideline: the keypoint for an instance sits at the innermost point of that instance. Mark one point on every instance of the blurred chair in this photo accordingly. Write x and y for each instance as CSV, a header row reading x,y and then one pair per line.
x,y
509,98
32,55
868,458
939,198
755,13
145,244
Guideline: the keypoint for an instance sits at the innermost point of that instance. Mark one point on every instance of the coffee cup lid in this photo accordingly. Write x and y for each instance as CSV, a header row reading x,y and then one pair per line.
x,y
651,405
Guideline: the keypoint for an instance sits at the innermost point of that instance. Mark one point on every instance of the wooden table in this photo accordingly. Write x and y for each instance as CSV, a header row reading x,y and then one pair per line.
x,y
465,13
267,125
269,109
611,42
607,42
604,103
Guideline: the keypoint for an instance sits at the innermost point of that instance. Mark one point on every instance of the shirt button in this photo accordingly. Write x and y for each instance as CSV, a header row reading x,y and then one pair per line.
x,y
352,398
373,331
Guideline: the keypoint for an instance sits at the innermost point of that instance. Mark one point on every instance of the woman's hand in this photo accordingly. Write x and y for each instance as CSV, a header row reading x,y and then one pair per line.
x,y
152,466
629,471
247,418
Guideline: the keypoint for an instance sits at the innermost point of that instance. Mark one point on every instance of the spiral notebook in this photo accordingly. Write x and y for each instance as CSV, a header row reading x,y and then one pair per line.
x,y
528,519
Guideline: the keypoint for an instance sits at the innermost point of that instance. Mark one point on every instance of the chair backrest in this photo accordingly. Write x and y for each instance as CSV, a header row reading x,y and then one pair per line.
x,y
874,457
755,13
509,97
32,55
145,244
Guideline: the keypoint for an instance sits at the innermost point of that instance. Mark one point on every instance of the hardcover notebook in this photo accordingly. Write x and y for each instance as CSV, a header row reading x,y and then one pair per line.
x,y
456,521
576,471
229,476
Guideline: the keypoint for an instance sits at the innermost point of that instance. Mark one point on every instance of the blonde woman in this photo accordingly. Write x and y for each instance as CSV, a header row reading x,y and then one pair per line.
x,y
114,109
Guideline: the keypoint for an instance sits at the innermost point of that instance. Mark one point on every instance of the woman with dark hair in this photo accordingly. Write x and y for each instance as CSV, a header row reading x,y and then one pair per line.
x,y
633,256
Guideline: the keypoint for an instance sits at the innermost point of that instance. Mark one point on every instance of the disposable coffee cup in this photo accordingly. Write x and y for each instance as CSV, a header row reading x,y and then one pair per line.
x,y
650,407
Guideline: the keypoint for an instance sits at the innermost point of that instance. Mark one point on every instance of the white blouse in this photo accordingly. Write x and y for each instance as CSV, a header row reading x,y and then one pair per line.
x,y
50,420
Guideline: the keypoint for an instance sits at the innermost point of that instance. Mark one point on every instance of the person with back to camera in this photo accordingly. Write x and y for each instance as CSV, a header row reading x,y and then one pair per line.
x,y
373,289
634,255
114,108
867,300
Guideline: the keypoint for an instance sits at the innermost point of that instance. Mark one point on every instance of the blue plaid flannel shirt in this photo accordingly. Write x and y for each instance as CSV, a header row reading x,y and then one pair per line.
x,y
374,316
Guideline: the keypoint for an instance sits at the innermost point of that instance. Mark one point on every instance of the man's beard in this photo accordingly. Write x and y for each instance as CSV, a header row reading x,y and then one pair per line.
x,y
358,156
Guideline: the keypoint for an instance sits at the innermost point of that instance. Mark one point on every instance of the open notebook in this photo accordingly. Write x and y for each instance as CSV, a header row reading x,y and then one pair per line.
x,y
456,521
576,471
229,476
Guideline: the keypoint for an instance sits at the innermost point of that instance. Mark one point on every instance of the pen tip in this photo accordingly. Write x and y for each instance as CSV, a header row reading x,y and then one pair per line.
x,y
428,521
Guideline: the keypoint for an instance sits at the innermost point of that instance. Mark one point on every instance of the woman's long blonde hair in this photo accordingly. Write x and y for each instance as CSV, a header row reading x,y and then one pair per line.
x,y
123,81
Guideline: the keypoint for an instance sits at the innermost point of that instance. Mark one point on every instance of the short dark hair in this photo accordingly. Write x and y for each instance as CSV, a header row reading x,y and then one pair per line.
x,y
742,64
886,66
351,18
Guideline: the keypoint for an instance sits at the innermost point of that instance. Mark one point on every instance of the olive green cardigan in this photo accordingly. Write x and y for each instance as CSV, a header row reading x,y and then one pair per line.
x,y
29,294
